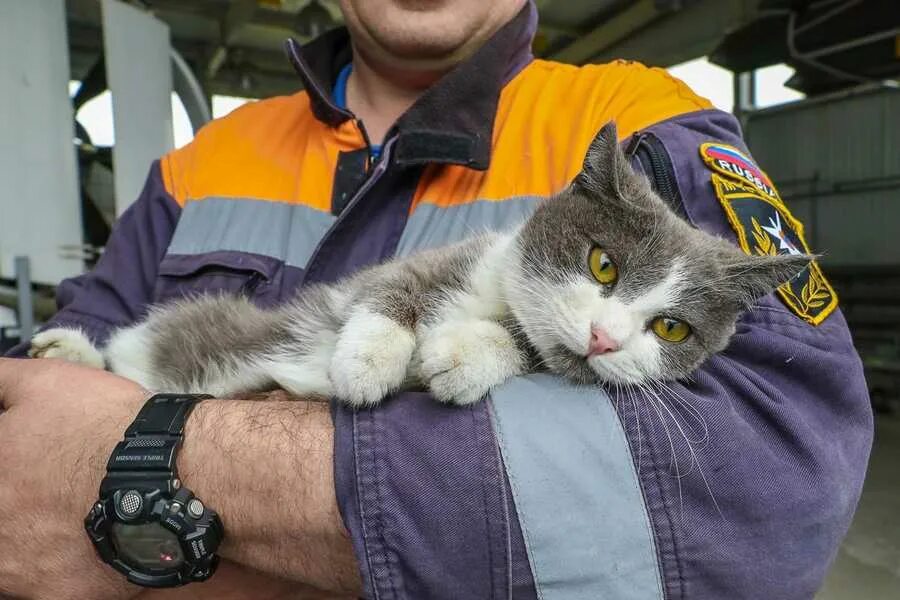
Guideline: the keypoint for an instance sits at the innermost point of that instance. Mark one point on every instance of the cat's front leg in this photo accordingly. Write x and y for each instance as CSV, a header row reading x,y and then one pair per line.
x,y
461,360
68,344
371,357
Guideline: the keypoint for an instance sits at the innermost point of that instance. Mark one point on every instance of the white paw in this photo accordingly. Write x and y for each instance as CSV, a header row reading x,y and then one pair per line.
x,y
462,360
68,344
370,359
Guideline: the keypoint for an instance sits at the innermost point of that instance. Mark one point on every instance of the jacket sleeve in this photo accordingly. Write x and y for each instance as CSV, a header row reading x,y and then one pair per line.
x,y
780,429
120,286
737,484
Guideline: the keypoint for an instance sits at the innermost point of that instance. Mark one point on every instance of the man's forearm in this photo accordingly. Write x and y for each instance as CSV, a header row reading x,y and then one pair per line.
x,y
266,467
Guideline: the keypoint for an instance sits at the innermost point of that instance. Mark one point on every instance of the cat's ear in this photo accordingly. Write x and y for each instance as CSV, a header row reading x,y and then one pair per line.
x,y
603,163
752,277
606,170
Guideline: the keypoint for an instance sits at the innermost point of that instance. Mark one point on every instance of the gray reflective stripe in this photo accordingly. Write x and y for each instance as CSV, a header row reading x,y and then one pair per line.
x,y
576,491
287,232
431,226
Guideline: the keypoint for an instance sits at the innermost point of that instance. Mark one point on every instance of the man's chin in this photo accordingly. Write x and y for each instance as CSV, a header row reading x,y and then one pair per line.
x,y
420,52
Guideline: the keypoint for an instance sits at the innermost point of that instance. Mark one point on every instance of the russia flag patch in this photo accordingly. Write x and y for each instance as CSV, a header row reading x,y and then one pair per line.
x,y
731,162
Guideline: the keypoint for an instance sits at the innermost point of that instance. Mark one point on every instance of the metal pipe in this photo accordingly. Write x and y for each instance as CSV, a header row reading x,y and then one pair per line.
x,y
194,99
829,14
875,37
25,302
803,58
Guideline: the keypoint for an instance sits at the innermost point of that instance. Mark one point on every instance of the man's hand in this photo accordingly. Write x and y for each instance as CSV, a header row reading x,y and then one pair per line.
x,y
61,422
265,466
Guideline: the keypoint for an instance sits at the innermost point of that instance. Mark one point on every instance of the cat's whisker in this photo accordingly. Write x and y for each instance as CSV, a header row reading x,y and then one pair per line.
x,y
617,396
649,414
637,416
661,391
689,409
696,461
673,462
653,399
692,410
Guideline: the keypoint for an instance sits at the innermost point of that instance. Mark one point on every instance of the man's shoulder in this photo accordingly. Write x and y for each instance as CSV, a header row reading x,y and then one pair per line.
x,y
255,136
254,118
627,72
631,93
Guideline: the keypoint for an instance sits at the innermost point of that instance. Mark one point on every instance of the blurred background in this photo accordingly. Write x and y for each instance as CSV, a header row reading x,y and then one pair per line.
x,y
91,91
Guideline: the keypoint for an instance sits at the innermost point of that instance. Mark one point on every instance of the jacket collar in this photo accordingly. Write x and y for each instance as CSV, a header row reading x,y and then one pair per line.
x,y
453,121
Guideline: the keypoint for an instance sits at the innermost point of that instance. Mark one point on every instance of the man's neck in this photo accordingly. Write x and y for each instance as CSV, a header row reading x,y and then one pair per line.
x,y
378,95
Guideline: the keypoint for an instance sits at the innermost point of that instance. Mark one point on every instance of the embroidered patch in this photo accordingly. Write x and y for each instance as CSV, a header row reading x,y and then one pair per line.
x,y
731,162
764,225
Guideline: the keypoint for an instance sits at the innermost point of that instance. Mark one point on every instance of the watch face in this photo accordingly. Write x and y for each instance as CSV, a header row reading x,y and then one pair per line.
x,y
148,546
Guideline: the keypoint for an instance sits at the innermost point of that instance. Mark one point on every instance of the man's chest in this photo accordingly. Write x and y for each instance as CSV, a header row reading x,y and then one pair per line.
x,y
266,247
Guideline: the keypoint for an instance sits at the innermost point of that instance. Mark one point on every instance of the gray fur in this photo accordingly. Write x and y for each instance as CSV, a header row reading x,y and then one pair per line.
x,y
614,207
228,345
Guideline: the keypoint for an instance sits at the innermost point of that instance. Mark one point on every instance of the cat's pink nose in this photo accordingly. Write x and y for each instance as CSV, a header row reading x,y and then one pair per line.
x,y
600,342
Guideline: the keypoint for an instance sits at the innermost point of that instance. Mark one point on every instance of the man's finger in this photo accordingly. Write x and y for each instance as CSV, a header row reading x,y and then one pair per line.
x,y
12,370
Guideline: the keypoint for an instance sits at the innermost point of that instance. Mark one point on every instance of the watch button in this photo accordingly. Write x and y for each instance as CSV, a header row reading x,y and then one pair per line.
x,y
195,508
130,504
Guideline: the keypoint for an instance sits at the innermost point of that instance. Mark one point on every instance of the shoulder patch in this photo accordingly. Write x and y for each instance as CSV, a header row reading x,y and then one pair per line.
x,y
734,164
764,225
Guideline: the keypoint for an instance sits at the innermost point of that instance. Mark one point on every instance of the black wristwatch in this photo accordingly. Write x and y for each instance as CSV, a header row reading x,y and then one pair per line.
x,y
146,524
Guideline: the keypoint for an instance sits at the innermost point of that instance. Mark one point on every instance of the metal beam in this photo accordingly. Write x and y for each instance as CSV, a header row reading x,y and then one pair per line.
x,y
611,31
553,29
265,62
679,36
239,14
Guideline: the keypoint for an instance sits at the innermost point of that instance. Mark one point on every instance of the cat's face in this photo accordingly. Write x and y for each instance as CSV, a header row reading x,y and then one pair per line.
x,y
610,284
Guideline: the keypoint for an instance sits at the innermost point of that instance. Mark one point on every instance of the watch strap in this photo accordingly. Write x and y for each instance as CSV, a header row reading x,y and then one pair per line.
x,y
164,414
151,442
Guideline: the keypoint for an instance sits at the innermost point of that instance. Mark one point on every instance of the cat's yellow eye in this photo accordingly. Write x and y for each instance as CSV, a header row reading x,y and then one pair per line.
x,y
671,330
602,267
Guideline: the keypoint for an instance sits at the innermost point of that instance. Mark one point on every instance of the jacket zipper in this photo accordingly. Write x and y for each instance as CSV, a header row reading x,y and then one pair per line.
x,y
251,284
374,175
657,165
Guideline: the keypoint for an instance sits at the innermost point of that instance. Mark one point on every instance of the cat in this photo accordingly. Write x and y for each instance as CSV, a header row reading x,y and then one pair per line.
x,y
604,282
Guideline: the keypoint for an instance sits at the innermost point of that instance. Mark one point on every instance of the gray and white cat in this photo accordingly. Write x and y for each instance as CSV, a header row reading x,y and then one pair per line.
x,y
603,283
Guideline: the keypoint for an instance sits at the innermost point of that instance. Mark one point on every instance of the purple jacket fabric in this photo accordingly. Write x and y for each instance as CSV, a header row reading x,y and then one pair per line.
x,y
790,429
469,503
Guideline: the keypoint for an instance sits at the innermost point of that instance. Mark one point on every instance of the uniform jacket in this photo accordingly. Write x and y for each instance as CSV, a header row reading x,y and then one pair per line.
x,y
544,490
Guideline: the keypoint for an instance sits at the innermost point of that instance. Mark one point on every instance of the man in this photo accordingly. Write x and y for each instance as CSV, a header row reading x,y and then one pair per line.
x,y
737,484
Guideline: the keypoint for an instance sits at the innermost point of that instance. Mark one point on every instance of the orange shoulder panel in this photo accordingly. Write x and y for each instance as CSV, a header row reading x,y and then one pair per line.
x,y
546,119
256,152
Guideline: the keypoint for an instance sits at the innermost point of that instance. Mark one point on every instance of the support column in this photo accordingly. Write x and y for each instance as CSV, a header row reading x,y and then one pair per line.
x,y
25,304
744,94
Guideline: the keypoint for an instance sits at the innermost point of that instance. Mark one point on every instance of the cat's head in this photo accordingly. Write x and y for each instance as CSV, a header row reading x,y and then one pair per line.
x,y
609,283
